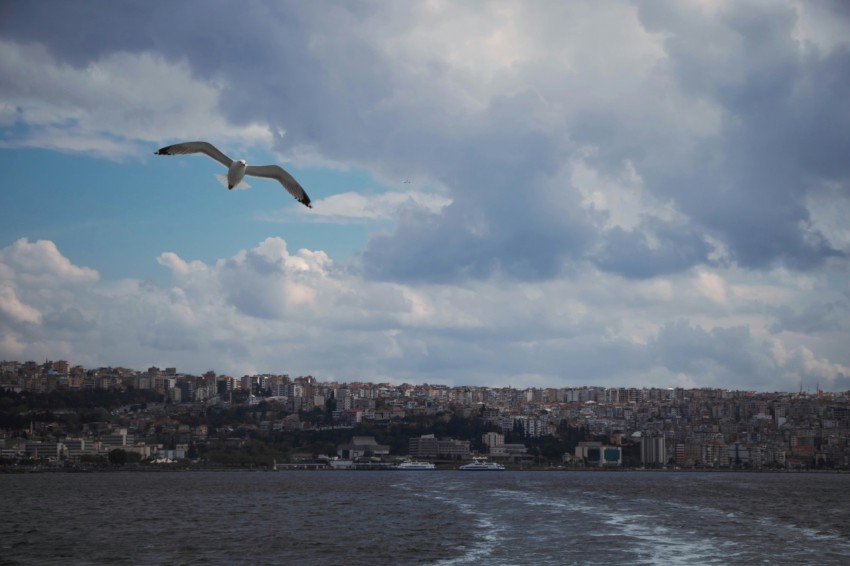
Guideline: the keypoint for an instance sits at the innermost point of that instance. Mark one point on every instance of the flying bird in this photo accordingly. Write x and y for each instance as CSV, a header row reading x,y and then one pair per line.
x,y
236,170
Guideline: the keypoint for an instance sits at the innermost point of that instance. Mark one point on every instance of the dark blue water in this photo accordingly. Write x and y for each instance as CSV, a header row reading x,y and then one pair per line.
x,y
442,517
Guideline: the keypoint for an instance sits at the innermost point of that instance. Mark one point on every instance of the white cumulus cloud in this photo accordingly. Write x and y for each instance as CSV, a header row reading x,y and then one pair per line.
x,y
269,309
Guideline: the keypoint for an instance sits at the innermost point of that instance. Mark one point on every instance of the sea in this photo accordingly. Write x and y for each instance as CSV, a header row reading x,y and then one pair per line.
x,y
441,517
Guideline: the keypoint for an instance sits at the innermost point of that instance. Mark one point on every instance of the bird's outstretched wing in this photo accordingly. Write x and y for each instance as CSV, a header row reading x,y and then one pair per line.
x,y
285,179
196,147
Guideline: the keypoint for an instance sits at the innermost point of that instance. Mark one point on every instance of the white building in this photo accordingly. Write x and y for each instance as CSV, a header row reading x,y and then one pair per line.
x,y
494,441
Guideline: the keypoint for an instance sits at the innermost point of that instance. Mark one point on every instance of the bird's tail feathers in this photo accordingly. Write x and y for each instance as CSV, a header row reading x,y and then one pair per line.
x,y
223,180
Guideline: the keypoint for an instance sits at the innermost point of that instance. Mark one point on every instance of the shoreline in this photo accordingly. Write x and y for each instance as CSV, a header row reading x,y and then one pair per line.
x,y
297,468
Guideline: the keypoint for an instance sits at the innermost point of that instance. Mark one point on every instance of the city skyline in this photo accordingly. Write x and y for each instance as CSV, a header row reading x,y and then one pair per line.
x,y
163,414
501,194
11,371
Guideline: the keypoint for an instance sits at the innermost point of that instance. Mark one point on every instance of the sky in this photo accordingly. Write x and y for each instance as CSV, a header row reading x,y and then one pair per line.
x,y
533,194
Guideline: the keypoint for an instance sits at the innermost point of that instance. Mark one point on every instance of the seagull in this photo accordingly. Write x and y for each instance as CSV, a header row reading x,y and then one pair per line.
x,y
236,170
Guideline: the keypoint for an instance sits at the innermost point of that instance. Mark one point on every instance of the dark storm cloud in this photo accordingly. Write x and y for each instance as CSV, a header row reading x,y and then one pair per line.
x,y
784,132
815,318
786,129
213,34
68,320
633,254
501,221
721,355
258,49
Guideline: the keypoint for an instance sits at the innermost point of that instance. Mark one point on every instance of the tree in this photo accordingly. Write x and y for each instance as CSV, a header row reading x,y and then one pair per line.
x,y
117,457
314,416
330,407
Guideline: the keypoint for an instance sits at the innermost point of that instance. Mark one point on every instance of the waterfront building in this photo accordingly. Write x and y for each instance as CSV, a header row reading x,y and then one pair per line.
x,y
428,446
653,450
424,446
494,441
599,454
75,448
363,447
118,438
50,450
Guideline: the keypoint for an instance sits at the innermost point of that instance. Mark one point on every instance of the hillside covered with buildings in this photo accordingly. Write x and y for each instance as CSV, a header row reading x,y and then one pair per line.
x,y
56,414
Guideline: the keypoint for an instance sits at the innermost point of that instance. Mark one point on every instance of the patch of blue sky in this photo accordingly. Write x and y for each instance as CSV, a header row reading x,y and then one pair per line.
x,y
117,217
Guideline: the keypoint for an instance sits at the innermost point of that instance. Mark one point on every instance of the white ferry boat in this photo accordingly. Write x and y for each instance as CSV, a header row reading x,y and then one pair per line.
x,y
479,464
411,465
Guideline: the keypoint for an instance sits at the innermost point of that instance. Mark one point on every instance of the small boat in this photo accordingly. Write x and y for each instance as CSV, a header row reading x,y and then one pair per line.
x,y
412,465
479,464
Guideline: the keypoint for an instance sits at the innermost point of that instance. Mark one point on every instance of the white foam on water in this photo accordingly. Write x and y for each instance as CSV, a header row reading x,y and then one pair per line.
x,y
488,536
658,544
539,525
488,532
647,540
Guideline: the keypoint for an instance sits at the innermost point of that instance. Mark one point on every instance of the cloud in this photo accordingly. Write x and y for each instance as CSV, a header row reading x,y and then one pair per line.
x,y
268,282
110,104
41,263
13,308
735,355
802,362
782,125
712,286
814,318
722,354
269,309
353,207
